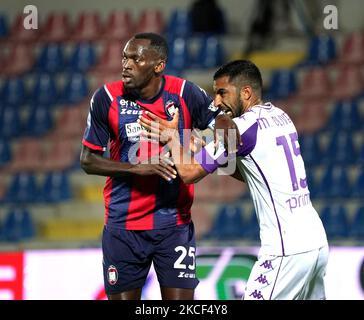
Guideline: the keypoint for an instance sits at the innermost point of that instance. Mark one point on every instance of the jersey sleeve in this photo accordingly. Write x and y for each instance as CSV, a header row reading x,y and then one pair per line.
x,y
211,160
200,105
97,131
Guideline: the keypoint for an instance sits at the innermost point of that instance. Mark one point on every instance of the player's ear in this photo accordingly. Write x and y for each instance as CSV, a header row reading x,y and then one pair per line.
x,y
160,66
245,93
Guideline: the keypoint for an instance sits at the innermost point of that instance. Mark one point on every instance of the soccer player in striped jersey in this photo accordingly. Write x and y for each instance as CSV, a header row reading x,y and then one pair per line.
x,y
147,209
294,250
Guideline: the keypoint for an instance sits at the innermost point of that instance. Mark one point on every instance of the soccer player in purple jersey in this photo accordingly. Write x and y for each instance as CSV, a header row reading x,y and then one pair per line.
x,y
294,250
147,208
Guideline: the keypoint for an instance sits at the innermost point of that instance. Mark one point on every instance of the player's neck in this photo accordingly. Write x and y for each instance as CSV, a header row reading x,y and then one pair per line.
x,y
253,102
152,89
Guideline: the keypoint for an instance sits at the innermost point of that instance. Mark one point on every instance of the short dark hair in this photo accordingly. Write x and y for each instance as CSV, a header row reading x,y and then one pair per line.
x,y
242,72
157,42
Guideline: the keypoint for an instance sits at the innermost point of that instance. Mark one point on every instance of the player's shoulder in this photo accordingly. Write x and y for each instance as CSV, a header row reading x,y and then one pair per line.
x,y
114,89
174,84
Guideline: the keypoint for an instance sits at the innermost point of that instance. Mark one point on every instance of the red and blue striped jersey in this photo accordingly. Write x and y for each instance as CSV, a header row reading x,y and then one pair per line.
x,y
144,202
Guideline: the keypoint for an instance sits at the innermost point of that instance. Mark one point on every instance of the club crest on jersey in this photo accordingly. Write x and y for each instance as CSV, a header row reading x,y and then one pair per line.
x,y
212,107
170,108
112,275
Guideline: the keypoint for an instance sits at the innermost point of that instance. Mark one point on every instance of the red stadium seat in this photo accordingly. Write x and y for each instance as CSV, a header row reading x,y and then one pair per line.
x,y
353,49
19,33
315,85
28,156
349,83
119,26
110,59
150,20
56,28
61,155
70,123
20,59
88,27
312,116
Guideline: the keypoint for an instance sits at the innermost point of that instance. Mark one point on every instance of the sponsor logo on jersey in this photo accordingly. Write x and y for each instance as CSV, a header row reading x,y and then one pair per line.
x,y
133,131
112,275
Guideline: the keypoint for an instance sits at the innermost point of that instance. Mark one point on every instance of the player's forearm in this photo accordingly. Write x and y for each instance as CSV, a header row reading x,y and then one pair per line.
x,y
98,165
188,169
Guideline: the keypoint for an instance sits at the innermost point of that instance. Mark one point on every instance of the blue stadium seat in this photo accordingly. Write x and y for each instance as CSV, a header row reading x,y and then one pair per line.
x,y
22,189
356,229
39,121
56,187
335,221
251,227
310,149
51,59
44,90
4,30
345,116
340,149
18,225
228,223
179,24
82,57
358,185
361,154
322,50
311,181
5,151
210,53
10,123
334,183
282,84
179,56
13,92
76,88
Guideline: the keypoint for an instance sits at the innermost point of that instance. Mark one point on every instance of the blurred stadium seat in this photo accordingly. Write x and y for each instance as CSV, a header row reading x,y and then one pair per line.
x,y
13,92
5,152
150,20
335,220
51,58
179,24
282,84
210,53
340,149
310,149
44,90
321,50
18,225
88,27
334,183
356,230
56,188
345,116
23,189
119,26
353,49
56,28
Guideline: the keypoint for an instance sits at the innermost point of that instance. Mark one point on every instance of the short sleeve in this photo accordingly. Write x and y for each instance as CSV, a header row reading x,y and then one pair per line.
x,y
97,131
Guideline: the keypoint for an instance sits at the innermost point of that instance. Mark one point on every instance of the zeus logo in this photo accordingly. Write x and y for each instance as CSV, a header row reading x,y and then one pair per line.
x,y
183,274
130,111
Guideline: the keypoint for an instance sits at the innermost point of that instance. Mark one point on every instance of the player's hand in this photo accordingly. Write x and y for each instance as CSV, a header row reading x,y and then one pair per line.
x,y
160,165
227,131
158,128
